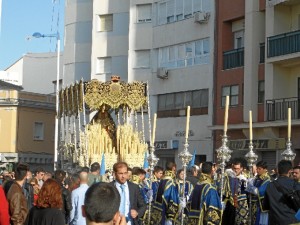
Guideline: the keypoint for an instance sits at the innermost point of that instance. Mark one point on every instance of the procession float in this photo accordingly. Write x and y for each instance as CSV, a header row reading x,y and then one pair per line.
x,y
113,133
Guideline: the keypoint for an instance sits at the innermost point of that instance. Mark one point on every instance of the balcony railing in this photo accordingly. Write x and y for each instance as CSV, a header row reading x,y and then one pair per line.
x,y
284,44
233,58
277,109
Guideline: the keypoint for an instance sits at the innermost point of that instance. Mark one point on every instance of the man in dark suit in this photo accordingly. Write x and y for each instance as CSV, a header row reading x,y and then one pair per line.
x,y
132,204
280,209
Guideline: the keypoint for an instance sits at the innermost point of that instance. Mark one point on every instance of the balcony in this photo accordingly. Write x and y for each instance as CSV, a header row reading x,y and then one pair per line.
x,y
277,108
284,44
233,58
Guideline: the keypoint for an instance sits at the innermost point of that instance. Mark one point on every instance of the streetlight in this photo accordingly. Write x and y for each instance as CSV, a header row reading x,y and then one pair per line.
x,y
39,35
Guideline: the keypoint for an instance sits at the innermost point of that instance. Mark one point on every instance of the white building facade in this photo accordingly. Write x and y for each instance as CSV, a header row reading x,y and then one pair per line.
x,y
170,45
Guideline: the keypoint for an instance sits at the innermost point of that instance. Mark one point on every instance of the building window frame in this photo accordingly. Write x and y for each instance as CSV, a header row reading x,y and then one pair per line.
x,y
233,92
142,59
180,100
105,23
103,65
170,11
38,131
261,92
185,54
239,39
144,13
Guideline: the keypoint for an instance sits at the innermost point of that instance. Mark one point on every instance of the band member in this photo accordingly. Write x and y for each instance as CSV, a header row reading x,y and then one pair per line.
x,y
204,206
188,188
165,206
235,197
257,188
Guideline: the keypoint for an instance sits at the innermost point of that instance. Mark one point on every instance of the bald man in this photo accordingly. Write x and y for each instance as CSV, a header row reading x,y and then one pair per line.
x,y
78,194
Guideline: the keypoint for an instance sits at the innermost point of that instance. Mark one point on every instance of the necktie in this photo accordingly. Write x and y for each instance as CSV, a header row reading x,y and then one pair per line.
x,y
123,199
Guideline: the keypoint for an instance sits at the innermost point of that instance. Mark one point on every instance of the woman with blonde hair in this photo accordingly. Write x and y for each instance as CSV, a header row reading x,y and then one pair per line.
x,y
48,207
36,189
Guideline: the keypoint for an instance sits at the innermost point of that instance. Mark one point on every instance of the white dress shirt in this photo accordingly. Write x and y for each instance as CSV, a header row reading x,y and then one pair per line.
x,y
127,199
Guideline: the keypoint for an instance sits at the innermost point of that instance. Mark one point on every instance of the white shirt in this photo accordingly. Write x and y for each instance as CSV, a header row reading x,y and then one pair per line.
x,y
127,200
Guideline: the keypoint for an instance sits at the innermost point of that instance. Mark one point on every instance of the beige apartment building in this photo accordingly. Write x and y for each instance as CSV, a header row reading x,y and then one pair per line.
x,y
26,127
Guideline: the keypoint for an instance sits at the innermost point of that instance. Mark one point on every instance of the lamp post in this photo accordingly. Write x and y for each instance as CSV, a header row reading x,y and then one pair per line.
x,y
56,35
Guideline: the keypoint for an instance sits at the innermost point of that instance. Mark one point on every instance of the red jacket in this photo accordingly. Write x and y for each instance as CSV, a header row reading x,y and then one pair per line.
x,y
4,214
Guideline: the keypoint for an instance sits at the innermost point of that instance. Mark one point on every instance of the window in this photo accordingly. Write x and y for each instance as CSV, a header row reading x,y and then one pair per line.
x,y
105,23
142,59
162,11
200,98
188,8
239,39
186,54
179,10
170,11
103,65
144,13
38,131
261,91
180,100
233,93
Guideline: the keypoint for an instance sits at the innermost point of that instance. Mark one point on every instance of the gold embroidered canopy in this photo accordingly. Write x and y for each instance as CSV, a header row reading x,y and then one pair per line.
x,y
98,95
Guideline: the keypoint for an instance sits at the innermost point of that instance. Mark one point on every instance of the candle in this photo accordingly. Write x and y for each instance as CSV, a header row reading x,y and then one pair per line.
x,y
154,128
250,125
289,123
226,114
187,122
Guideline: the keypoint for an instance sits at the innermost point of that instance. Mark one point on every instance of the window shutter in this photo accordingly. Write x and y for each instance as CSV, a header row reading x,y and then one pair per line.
x,y
142,59
104,65
188,4
206,5
179,7
197,5
170,8
38,131
106,22
144,13
162,18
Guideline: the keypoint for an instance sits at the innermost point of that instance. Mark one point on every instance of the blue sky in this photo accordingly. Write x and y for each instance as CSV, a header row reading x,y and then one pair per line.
x,y
20,19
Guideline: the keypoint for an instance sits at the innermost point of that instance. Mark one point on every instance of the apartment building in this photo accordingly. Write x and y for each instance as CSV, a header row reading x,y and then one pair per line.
x,y
257,66
195,52
171,45
110,39
26,127
77,41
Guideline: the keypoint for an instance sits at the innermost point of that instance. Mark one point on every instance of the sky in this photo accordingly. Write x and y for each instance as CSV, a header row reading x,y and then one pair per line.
x,y
20,19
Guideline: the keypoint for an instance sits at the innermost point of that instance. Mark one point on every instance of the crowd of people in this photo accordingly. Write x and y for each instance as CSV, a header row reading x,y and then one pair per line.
x,y
166,196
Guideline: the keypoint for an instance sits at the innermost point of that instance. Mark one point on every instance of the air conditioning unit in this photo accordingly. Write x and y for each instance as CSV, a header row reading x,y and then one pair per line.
x,y
162,73
201,17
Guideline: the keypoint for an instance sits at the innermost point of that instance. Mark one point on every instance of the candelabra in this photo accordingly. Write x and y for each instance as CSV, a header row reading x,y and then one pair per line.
x,y
251,158
223,156
288,154
185,158
152,161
